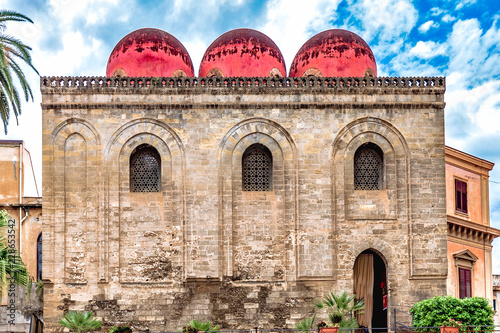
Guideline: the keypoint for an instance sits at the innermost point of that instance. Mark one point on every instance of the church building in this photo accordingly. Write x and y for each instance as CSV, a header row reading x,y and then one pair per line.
x,y
242,195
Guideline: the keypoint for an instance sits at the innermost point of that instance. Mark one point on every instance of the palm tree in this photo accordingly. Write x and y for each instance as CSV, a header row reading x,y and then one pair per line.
x,y
201,326
11,264
12,51
341,309
80,322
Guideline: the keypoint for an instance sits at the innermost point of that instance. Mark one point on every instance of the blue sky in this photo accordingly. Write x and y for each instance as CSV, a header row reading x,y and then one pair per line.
x,y
458,39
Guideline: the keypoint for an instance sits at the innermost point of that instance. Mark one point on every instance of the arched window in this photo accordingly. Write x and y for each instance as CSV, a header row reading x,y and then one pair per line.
x,y
39,257
257,170
368,166
145,170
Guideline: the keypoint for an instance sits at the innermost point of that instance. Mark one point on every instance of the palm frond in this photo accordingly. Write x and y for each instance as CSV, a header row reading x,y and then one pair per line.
x,y
80,322
13,50
10,15
11,263
203,326
341,308
305,324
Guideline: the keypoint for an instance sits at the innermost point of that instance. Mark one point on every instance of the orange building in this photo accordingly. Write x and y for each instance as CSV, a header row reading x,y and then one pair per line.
x,y
19,197
469,232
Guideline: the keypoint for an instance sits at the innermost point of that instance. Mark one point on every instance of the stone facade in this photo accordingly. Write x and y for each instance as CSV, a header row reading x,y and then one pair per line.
x,y
203,247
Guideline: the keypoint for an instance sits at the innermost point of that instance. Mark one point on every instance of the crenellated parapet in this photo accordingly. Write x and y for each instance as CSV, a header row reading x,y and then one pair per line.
x,y
333,83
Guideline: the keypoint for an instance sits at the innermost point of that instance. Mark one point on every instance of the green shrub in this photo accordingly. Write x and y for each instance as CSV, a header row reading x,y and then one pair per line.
x,y
120,329
197,326
432,312
305,324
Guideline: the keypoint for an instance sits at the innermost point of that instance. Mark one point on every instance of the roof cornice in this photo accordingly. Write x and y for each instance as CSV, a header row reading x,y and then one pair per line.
x,y
468,162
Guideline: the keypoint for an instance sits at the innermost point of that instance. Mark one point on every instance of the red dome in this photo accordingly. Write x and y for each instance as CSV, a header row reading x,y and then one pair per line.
x,y
149,52
334,52
243,52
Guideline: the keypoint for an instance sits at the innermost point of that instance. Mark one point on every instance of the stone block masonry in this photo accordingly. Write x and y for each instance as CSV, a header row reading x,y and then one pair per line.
x,y
203,247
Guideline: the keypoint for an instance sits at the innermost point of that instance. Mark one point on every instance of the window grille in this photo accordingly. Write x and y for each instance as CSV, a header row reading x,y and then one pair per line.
x,y
145,173
257,168
368,168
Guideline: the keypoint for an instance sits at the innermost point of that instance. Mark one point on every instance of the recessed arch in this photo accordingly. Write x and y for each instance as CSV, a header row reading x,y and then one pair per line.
x,y
165,206
70,134
257,131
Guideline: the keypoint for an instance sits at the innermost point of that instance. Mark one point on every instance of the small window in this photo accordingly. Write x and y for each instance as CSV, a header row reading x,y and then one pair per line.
x,y
257,166
145,166
368,165
494,304
39,257
460,196
465,282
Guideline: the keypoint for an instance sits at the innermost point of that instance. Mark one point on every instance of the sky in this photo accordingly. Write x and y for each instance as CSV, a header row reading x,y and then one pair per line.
x,y
457,39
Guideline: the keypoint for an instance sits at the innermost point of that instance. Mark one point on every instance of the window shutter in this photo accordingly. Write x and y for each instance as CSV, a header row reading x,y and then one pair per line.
x,y
460,196
468,285
464,197
465,284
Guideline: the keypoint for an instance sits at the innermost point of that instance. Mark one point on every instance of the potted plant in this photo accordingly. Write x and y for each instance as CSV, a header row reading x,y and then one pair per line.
x,y
324,328
341,309
189,329
450,326
80,322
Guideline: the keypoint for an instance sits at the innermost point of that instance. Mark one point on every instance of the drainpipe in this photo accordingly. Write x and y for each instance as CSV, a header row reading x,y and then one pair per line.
x,y
21,198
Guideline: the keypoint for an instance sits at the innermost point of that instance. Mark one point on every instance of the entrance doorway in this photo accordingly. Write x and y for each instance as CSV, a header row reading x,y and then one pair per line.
x,y
370,283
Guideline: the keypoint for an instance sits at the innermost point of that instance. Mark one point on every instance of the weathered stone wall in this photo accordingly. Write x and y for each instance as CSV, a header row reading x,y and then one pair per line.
x,y
202,248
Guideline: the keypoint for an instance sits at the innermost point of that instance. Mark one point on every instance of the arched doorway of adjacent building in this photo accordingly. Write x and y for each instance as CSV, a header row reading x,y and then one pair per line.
x,y
370,283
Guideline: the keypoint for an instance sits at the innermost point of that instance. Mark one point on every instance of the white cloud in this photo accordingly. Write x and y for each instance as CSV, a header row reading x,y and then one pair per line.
x,y
448,18
464,3
465,46
436,11
427,50
196,48
68,60
301,19
389,19
67,11
478,104
427,25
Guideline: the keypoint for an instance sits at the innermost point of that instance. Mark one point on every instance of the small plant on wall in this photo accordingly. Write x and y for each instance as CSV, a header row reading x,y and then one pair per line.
x,y
120,329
